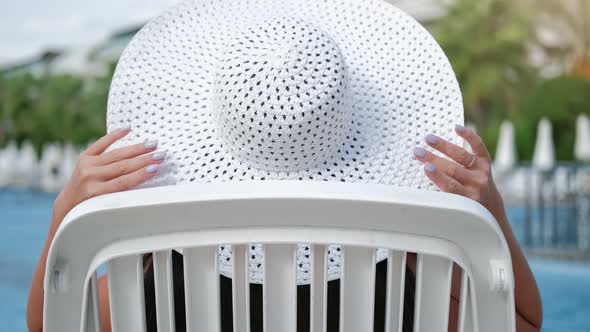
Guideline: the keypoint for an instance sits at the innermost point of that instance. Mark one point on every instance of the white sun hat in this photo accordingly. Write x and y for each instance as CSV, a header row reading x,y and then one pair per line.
x,y
333,90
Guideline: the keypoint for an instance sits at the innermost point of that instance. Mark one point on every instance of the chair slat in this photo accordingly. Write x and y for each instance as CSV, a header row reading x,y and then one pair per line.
x,y
241,289
319,289
201,287
164,289
433,291
357,289
93,306
396,277
280,288
126,294
466,318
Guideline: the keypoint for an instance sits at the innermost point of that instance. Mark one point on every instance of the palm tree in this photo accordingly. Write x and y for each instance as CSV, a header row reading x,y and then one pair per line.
x,y
486,42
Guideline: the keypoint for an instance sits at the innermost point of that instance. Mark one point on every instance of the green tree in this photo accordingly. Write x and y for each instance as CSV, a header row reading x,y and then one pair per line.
x,y
48,109
560,100
485,41
17,100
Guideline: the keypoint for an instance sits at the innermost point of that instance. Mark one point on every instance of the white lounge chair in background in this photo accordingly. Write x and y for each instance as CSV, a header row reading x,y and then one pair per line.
x,y
51,168
26,167
7,167
117,229
582,142
544,153
70,158
506,157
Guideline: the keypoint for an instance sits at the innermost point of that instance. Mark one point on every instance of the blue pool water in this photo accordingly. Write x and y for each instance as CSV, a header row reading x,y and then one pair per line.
x,y
24,219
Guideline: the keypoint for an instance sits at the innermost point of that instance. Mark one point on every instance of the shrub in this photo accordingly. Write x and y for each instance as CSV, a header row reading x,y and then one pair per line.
x,y
50,109
560,100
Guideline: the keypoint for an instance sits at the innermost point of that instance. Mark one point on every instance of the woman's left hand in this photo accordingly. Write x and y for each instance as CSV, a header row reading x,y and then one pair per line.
x,y
466,174
470,175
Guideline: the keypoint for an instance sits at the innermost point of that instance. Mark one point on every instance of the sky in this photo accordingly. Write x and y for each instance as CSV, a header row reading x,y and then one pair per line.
x,y
28,27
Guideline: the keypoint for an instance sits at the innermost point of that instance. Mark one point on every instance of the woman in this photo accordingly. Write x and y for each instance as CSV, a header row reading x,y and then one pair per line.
x,y
99,172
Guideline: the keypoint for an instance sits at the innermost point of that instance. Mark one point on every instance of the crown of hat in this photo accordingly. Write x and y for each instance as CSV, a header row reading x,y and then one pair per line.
x,y
280,96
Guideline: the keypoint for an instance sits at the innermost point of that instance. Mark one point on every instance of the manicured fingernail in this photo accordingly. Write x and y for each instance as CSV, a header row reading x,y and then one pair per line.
x,y
419,152
160,155
460,128
429,168
150,144
124,129
431,139
152,168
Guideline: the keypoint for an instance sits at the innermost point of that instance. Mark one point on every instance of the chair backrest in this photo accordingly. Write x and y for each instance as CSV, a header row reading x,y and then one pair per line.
x,y
440,228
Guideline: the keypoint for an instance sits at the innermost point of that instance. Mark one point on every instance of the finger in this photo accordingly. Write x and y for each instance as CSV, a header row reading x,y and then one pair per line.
x,y
443,181
474,140
448,167
127,166
131,180
127,152
453,151
104,142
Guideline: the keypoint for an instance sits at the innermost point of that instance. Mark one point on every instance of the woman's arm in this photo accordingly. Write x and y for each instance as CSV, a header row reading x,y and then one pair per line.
x,y
96,173
470,175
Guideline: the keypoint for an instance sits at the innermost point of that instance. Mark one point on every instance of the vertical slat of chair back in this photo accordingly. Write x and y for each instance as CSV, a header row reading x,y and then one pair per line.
x,y
279,291
126,294
433,282
319,288
433,293
466,319
201,289
357,296
93,323
240,289
164,291
396,281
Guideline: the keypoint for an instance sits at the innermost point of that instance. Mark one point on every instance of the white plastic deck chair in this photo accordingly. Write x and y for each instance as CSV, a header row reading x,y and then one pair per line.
x,y
117,229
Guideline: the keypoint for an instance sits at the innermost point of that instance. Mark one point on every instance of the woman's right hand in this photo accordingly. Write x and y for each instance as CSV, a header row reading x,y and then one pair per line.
x,y
98,172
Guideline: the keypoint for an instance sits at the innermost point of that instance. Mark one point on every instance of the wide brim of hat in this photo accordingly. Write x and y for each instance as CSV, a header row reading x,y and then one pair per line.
x,y
401,85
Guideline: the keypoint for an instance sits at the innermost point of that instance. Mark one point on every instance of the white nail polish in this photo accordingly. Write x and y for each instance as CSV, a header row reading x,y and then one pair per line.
x,y
124,128
160,155
429,168
152,168
150,144
419,152
431,139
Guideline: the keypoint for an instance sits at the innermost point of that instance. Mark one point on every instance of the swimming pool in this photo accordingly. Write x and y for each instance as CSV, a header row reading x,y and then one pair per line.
x,y
24,219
